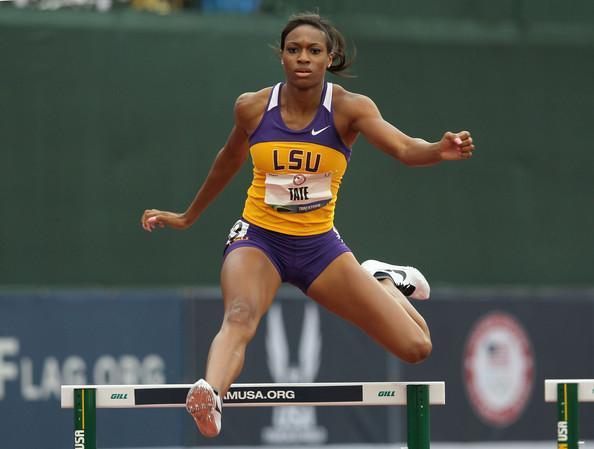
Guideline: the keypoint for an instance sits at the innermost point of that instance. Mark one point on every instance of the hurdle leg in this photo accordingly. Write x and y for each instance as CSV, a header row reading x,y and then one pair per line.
x,y
85,434
417,414
567,416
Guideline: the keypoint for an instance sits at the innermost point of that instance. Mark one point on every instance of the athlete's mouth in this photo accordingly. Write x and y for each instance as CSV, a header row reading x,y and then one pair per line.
x,y
302,72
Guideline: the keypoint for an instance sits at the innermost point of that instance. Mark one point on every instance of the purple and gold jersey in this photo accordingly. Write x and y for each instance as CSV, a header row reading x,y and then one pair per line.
x,y
297,174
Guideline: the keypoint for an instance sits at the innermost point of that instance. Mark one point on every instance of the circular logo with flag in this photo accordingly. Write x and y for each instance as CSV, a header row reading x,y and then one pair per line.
x,y
298,179
498,368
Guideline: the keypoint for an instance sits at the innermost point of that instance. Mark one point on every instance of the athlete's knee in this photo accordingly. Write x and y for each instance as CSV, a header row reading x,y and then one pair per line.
x,y
418,350
241,315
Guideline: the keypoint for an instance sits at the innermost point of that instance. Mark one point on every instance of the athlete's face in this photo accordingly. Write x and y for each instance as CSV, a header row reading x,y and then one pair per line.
x,y
305,57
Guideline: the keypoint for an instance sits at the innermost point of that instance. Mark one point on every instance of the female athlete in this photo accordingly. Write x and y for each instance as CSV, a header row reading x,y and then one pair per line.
x,y
299,134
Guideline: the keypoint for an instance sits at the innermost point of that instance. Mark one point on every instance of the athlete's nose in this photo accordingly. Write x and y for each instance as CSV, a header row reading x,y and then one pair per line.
x,y
303,56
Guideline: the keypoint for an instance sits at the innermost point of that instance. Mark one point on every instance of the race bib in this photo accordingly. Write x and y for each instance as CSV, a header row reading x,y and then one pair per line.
x,y
298,192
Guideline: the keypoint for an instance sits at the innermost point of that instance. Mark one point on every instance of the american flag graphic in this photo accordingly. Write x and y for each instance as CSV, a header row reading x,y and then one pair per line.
x,y
498,353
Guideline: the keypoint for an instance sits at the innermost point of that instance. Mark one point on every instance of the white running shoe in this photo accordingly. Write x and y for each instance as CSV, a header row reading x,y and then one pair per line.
x,y
408,280
206,407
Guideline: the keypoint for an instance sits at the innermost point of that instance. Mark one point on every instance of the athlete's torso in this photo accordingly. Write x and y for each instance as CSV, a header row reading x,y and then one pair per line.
x,y
297,174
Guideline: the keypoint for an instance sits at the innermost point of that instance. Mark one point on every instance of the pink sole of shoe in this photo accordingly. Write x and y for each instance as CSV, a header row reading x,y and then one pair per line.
x,y
200,404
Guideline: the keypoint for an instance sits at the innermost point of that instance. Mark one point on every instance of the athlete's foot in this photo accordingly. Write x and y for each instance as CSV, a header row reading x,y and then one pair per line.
x,y
205,407
408,280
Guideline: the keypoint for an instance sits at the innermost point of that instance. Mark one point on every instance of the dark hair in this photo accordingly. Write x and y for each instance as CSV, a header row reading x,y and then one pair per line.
x,y
335,42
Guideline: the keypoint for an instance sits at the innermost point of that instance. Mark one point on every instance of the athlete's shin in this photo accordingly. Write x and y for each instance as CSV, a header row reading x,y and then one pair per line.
x,y
225,359
227,351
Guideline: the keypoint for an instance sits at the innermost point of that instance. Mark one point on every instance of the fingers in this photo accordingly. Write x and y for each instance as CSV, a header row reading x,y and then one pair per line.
x,y
450,136
152,223
150,219
454,138
463,135
462,140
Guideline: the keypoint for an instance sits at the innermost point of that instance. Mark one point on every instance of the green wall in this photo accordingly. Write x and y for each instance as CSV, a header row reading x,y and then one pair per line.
x,y
103,116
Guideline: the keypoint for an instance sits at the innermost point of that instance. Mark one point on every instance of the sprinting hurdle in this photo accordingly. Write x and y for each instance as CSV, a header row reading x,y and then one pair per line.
x,y
417,396
568,393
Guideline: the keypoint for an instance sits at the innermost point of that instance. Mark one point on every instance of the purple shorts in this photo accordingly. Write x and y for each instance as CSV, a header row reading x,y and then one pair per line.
x,y
299,260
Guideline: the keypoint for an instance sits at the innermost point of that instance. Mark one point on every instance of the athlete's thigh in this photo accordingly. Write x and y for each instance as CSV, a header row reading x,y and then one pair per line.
x,y
352,293
248,276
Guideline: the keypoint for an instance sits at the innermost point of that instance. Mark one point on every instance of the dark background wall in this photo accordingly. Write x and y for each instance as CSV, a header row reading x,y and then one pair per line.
x,y
103,116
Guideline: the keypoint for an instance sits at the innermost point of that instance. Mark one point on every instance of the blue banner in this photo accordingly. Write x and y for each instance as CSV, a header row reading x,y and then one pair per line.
x,y
86,337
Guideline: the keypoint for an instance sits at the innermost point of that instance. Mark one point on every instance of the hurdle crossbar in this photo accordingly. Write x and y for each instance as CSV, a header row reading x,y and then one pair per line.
x,y
568,393
416,396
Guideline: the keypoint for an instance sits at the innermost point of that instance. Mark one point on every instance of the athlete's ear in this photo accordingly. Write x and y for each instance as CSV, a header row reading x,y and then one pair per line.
x,y
330,58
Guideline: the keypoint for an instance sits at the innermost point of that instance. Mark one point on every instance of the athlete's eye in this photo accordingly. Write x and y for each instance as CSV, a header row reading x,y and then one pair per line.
x,y
292,50
316,51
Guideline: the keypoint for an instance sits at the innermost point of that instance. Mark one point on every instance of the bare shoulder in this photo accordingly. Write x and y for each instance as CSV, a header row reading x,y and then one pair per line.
x,y
351,104
249,108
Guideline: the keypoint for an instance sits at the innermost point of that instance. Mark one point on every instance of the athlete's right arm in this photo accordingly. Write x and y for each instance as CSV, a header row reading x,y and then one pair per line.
x,y
227,163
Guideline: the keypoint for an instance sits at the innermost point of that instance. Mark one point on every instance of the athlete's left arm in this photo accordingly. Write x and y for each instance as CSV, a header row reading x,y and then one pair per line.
x,y
367,120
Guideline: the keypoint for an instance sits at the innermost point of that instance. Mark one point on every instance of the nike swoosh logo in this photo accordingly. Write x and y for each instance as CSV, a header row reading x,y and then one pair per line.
x,y
400,272
315,133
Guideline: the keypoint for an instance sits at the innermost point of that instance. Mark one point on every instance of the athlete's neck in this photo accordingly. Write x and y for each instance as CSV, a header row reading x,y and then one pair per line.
x,y
301,101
